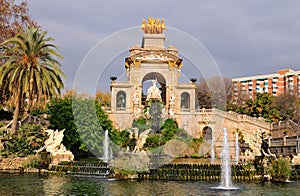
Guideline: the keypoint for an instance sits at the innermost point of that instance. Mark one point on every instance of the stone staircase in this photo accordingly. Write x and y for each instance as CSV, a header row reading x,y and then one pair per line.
x,y
242,118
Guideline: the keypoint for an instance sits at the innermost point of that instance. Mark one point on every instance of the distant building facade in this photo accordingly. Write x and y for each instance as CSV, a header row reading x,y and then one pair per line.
x,y
284,81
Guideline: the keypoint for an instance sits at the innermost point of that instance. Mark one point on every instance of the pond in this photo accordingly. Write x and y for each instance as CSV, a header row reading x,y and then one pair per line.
x,y
33,184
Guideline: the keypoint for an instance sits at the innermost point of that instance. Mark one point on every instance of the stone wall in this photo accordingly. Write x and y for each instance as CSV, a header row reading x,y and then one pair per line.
x,y
12,164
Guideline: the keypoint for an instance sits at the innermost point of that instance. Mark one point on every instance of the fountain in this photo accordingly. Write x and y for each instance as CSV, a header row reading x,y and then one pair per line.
x,y
226,183
212,152
106,157
237,149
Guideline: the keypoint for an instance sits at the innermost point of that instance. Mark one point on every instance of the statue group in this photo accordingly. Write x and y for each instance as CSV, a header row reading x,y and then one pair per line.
x,y
154,26
154,92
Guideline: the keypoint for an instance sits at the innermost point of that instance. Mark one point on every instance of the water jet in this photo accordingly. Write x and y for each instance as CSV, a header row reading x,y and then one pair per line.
x,y
226,183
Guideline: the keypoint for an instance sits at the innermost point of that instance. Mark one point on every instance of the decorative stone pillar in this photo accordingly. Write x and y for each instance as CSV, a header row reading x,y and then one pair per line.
x,y
172,99
136,104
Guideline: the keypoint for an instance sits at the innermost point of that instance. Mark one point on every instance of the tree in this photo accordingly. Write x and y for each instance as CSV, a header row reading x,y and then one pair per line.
x,y
203,94
287,105
103,98
215,91
260,106
60,116
13,16
84,122
31,70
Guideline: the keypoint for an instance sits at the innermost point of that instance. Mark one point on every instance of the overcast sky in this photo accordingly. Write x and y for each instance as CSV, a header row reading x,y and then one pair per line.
x,y
244,37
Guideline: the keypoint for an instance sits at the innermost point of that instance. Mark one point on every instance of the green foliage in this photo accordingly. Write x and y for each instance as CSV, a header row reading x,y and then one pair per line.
x,y
261,106
121,138
168,131
91,123
61,117
37,111
170,124
280,169
154,141
84,122
30,69
39,161
28,139
271,108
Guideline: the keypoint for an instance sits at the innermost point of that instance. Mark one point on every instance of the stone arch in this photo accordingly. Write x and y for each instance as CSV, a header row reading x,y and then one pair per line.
x,y
207,133
185,101
160,79
121,101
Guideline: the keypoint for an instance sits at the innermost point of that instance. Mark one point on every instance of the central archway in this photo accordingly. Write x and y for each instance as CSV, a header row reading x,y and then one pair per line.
x,y
147,81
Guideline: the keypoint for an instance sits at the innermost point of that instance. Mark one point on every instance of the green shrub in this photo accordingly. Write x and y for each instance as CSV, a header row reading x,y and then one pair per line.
x,y
25,142
39,161
121,138
154,141
280,169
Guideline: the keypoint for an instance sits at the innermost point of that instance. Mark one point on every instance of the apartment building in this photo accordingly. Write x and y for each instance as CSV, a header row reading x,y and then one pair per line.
x,y
284,81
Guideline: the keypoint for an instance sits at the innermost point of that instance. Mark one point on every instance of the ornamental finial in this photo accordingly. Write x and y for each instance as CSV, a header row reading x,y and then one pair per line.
x,y
153,26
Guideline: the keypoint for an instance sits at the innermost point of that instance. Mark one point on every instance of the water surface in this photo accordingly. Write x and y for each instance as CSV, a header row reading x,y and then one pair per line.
x,y
33,184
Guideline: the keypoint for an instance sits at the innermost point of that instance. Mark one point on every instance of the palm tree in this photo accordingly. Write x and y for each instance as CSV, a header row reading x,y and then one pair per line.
x,y
31,71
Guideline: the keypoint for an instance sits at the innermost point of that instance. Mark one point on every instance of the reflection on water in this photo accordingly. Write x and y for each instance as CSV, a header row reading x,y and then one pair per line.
x,y
32,184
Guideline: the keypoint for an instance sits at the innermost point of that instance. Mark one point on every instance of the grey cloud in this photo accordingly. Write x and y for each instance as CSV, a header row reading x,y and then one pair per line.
x,y
244,37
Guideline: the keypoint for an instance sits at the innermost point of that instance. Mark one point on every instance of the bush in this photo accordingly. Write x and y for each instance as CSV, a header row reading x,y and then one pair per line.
x,y
154,141
39,161
280,169
24,142
121,138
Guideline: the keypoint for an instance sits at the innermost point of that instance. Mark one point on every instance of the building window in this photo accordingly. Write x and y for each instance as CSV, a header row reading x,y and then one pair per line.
x,y
185,101
121,101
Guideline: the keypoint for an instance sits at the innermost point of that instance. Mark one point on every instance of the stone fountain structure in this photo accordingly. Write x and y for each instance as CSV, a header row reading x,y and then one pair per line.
x,y
152,61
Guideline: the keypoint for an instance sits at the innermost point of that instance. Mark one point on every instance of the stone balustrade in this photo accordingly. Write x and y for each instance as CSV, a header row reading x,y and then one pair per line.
x,y
235,117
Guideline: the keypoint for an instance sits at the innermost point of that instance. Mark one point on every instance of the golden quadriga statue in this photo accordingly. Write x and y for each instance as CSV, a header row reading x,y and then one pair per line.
x,y
153,26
